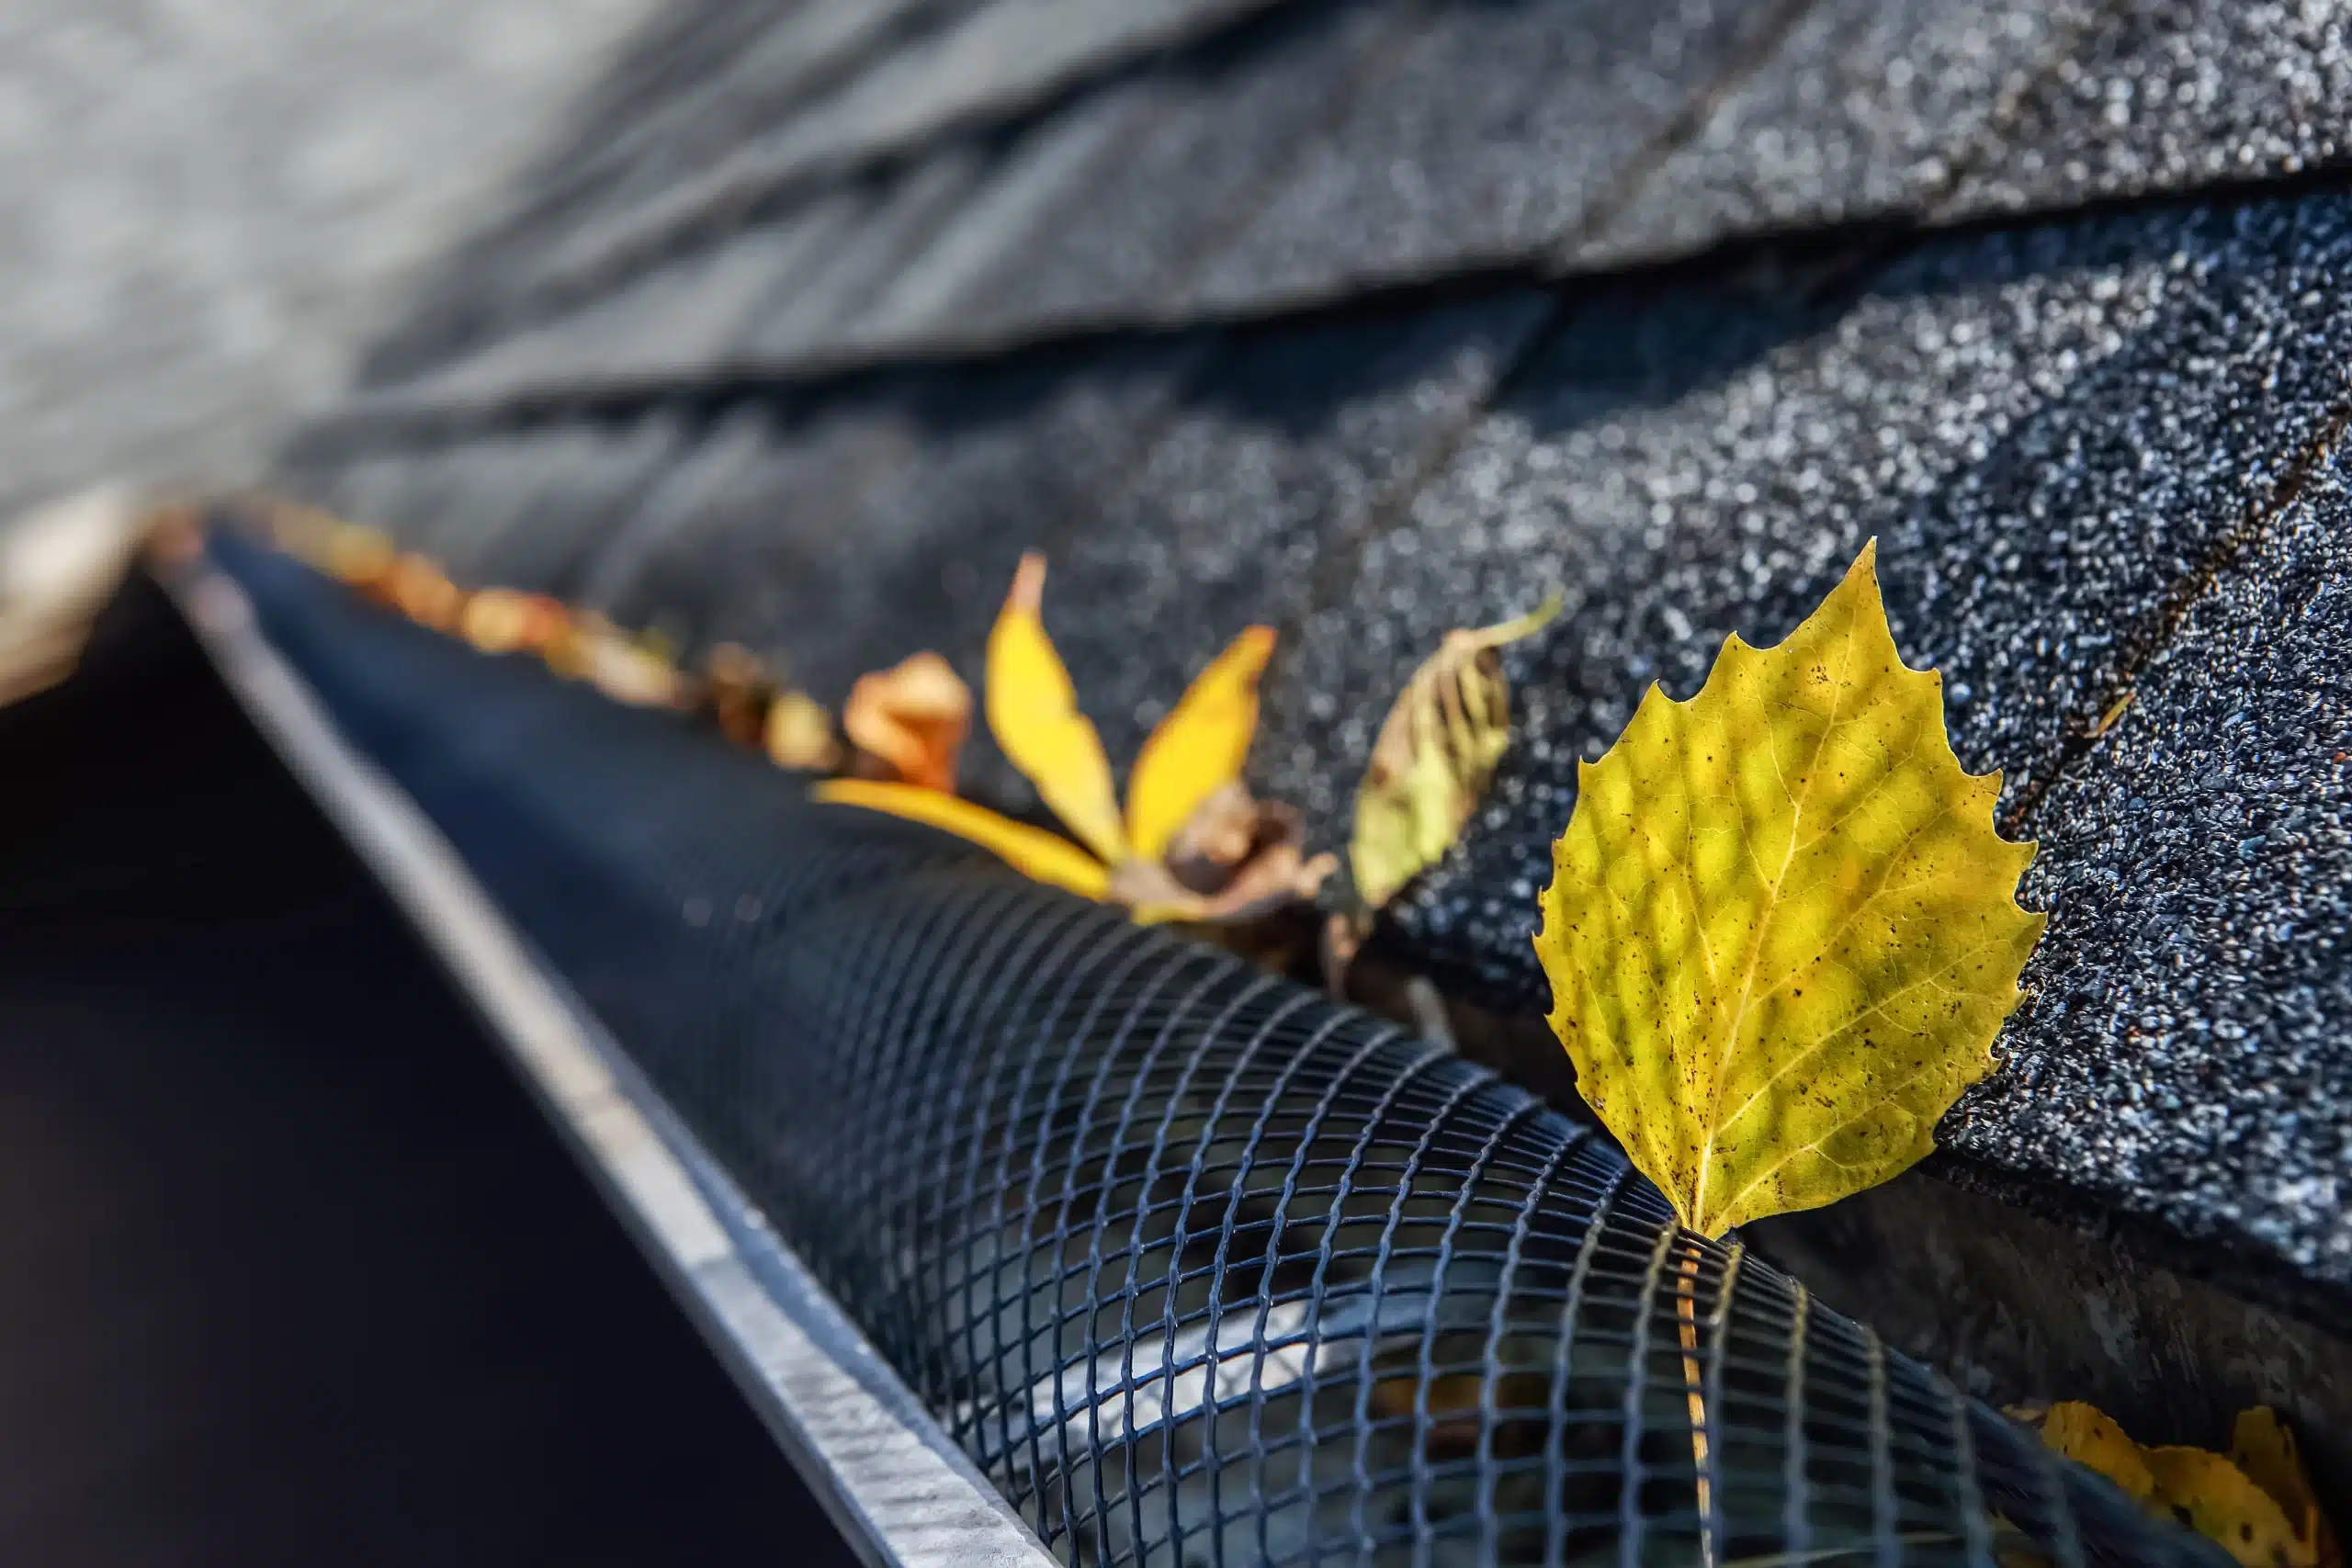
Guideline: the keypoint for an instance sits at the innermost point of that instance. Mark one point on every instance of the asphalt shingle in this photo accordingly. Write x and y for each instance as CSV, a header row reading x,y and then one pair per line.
x,y
1292,440
1865,112
1005,458
1424,178
1225,126
2173,95
2053,432
2099,450
2183,1050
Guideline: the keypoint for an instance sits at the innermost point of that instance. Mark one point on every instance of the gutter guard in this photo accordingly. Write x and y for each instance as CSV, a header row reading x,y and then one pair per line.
x,y
1107,1241
898,1491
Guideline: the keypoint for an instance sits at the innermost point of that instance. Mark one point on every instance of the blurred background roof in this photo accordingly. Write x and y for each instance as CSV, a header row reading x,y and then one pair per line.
x,y
206,210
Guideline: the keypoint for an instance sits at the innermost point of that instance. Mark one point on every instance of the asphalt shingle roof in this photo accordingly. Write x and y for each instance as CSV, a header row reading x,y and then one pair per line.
x,y
1352,317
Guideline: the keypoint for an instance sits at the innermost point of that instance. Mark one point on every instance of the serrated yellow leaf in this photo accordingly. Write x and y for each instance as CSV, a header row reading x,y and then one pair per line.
x,y
1436,752
1781,931
2262,1446
2217,1500
1200,747
2256,1504
1033,712
2088,1435
1031,850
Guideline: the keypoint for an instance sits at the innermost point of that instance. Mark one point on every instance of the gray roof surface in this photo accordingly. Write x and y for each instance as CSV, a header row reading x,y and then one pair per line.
x,y
1263,155
1260,312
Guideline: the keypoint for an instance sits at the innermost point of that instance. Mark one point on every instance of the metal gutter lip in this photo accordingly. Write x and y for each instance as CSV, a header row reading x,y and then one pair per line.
x,y
896,1486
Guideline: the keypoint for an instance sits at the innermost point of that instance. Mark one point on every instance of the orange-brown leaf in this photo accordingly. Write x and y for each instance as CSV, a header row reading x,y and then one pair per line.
x,y
911,719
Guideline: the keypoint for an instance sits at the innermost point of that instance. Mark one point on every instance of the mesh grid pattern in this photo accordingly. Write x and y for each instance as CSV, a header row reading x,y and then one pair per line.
x,y
1199,1267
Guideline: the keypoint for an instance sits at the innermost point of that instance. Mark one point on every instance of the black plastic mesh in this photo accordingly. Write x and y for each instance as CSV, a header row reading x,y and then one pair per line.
x,y
1201,1268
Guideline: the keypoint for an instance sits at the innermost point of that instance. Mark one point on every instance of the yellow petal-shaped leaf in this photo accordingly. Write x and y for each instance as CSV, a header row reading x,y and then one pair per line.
x,y
1436,752
1032,712
1200,747
1781,931
1031,851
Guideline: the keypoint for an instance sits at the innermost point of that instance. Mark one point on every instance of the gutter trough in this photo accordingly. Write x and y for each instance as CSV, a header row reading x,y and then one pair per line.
x,y
1037,1237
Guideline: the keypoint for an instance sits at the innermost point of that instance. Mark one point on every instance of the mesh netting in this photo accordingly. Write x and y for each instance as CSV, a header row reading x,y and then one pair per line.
x,y
1198,1265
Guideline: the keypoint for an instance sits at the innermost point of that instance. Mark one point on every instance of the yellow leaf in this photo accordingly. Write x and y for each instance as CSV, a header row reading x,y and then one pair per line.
x,y
2088,1435
1031,851
2258,1505
1436,752
2214,1498
1200,747
2261,1446
1781,931
1032,712
911,718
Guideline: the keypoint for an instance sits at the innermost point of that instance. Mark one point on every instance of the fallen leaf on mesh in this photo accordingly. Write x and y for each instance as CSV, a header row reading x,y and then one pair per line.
x,y
1199,748
358,557
60,564
2262,1446
1194,845
737,693
1436,752
799,734
1034,713
2088,1435
422,591
1781,931
622,668
1043,856
2256,1504
908,722
499,620
1236,859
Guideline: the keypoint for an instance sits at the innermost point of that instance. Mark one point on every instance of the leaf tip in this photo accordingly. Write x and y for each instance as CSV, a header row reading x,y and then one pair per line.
x,y
1027,595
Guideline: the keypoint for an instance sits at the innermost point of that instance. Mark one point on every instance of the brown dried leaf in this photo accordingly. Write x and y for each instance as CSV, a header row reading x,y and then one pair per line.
x,y
1235,860
908,722
737,691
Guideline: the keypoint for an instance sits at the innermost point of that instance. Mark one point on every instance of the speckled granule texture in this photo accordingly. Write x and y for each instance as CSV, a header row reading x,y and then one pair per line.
x,y
1868,109
1225,129
2184,1052
1287,443
2086,439
1002,460
2173,94
1423,176
1291,153
2048,431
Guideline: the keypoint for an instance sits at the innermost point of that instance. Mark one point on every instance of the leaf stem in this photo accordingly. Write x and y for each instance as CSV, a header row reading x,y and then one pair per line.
x,y
1686,1311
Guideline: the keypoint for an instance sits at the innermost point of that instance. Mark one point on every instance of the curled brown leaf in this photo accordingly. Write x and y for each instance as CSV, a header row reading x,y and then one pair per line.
x,y
908,722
